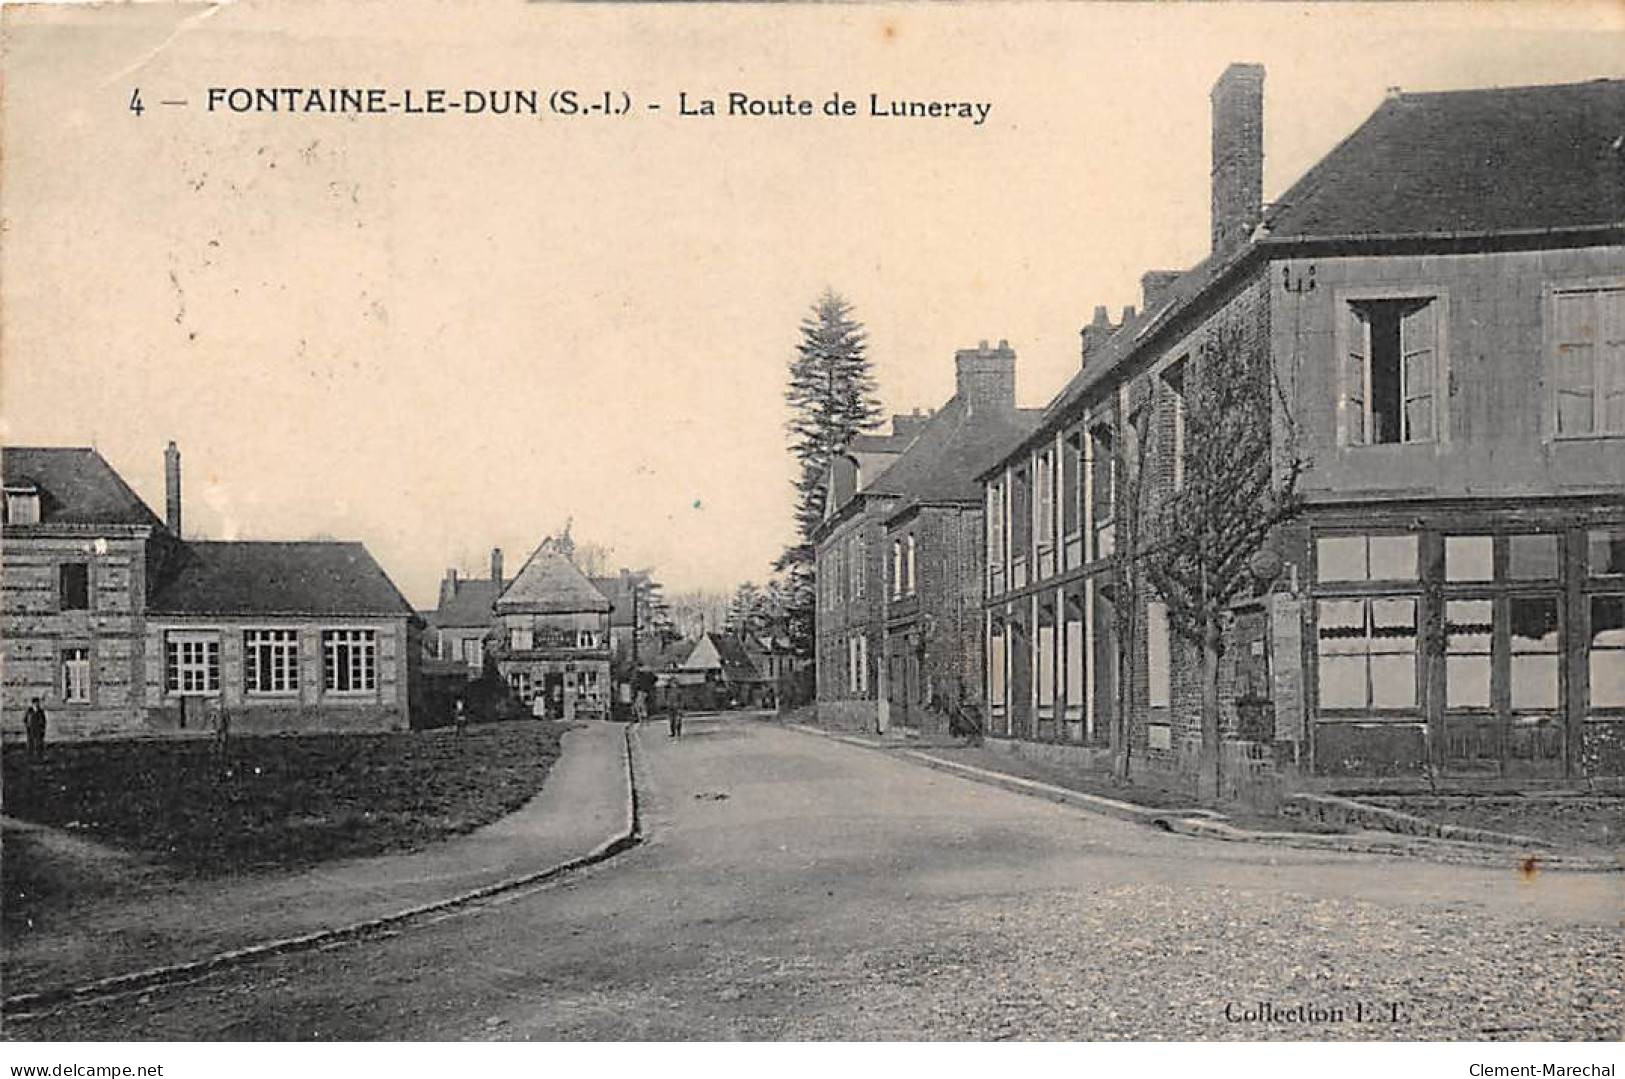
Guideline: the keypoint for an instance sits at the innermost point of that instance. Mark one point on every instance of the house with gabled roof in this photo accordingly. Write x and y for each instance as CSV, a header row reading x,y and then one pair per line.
x,y
123,627
899,546
1442,298
551,636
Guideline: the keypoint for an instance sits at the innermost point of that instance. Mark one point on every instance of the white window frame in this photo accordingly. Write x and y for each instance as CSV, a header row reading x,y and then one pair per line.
x,y
473,653
1600,384
910,582
201,668
1343,299
22,506
264,644
586,638
355,651
521,638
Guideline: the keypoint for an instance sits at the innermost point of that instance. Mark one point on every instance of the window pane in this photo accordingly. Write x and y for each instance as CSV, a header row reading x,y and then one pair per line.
x,y
1607,659
1532,557
1469,558
1340,558
1606,551
1534,624
1534,681
1342,681
1608,622
1393,681
1393,558
1467,681
1342,626
1393,625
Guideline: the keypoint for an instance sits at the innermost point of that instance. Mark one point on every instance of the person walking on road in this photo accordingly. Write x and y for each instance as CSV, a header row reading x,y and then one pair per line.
x,y
674,717
34,725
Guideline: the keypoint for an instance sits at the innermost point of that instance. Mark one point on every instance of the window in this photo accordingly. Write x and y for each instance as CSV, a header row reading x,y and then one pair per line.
x,y
1103,487
1534,673
192,663
271,660
1021,520
1365,558
1605,549
897,569
73,592
1607,651
860,565
1046,654
1156,654
1075,668
1469,637
1367,653
76,675
1071,483
351,660
474,653
586,638
908,563
519,682
1532,558
521,638
22,505
857,657
1173,383
1044,469
1391,371
995,664
995,527
1589,360
1469,558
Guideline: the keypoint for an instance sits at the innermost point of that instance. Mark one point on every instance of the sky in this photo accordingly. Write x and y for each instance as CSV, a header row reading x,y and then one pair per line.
x,y
443,333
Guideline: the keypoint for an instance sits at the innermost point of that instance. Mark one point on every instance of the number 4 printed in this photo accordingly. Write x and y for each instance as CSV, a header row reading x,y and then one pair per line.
x,y
135,102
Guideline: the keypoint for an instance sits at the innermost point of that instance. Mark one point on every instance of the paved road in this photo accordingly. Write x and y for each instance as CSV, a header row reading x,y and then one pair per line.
x,y
796,887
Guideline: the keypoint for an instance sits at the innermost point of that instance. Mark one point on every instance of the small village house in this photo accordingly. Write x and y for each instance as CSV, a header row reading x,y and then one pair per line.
x,y
123,627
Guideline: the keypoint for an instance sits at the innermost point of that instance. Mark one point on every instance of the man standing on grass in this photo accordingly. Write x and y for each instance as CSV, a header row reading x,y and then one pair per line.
x,y
34,725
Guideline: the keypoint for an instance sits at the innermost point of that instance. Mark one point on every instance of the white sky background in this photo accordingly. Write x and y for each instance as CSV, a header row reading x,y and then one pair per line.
x,y
439,334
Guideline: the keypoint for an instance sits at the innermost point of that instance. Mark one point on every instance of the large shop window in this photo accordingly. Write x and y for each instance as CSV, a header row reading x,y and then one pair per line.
x,y
1588,361
1365,558
271,660
1607,651
192,663
1367,653
1390,371
350,660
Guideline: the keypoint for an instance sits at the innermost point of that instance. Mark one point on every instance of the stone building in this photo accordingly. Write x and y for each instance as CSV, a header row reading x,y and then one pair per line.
x,y
124,628
899,555
551,636
1443,300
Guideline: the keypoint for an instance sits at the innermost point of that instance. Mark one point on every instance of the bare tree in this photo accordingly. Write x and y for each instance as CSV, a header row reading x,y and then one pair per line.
x,y
1240,466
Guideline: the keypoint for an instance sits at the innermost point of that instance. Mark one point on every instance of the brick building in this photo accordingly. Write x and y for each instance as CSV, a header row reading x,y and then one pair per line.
x,y
1443,299
551,636
122,627
899,581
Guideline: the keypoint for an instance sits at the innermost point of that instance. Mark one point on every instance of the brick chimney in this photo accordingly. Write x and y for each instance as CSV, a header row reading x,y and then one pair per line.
x,y
1094,335
1238,155
172,488
448,587
1154,286
985,378
496,567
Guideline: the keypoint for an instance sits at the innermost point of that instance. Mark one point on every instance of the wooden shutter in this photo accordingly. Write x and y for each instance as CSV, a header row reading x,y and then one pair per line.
x,y
1576,374
1611,373
1418,351
1358,345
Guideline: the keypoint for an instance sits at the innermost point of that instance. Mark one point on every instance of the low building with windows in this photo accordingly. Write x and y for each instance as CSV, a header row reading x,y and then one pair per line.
x,y
123,628
458,627
551,637
1443,300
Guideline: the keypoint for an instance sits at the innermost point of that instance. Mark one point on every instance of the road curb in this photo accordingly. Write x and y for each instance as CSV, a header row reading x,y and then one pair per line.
x,y
1199,823
631,835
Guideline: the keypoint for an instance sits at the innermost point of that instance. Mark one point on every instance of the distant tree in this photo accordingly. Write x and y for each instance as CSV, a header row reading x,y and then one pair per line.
x,y
1241,466
832,397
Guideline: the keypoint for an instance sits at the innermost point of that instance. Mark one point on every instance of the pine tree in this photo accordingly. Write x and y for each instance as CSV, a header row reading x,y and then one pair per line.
x,y
832,397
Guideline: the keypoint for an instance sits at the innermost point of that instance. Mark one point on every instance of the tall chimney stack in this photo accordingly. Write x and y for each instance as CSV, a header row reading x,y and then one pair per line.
x,y
172,488
496,567
1238,155
985,378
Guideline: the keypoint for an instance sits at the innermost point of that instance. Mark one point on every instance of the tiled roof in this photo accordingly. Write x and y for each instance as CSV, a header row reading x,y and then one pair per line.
x,y
469,605
1525,158
736,662
292,578
958,443
549,583
77,486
